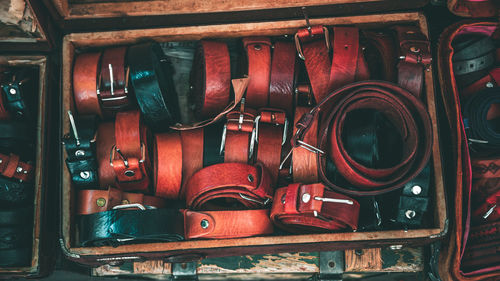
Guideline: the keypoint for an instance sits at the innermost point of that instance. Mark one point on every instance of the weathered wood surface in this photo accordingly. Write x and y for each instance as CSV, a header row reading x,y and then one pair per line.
x,y
17,21
285,266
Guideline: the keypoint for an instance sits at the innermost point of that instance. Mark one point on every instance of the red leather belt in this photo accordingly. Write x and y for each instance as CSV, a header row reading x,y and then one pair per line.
x,y
283,75
12,167
94,201
415,57
113,80
168,164
237,136
404,110
258,51
492,79
304,161
327,73
298,208
85,83
248,185
210,78
105,140
226,224
129,156
192,155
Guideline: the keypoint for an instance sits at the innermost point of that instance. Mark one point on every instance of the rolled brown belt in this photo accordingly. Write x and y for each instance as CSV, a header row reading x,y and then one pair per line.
x,y
329,72
113,87
94,201
404,110
85,73
211,78
302,208
226,224
248,185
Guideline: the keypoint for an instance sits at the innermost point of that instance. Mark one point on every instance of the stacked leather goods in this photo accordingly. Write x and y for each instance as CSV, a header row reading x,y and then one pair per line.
x,y
473,53
18,96
288,134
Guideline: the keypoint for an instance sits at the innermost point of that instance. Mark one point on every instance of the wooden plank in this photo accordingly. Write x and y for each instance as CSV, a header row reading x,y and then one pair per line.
x,y
369,260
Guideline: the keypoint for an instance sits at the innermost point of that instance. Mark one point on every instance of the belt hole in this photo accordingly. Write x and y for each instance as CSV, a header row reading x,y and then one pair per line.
x,y
129,173
414,49
250,178
257,47
100,202
346,47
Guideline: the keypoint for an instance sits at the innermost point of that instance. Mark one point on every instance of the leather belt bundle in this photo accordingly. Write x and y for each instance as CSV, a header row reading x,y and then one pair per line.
x,y
100,82
405,111
482,136
299,207
15,236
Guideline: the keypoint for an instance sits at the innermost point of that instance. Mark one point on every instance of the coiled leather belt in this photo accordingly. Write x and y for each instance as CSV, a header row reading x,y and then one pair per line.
x,y
406,112
299,207
249,185
151,78
210,78
481,135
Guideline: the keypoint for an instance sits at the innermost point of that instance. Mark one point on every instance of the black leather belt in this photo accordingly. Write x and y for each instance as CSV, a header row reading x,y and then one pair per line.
x,y
16,137
414,200
15,193
472,57
115,227
15,92
15,257
80,148
13,237
482,136
151,77
14,216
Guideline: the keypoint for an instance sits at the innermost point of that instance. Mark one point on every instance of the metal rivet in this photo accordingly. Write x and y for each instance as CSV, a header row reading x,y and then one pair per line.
x,y
129,173
12,91
204,223
257,47
250,178
414,50
19,169
25,172
306,197
410,214
79,152
489,85
191,87
1,161
85,175
396,247
416,189
100,202
283,199
125,201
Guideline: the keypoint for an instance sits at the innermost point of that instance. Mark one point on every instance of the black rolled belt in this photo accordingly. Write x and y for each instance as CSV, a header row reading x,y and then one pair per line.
x,y
15,134
115,227
15,257
14,216
472,58
481,134
151,78
80,148
15,193
14,237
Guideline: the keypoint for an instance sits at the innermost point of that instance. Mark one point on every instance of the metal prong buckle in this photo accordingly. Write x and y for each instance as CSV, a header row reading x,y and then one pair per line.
x,y
134,205
334,200
241,119
298,45
490,211
285,129
114,150
263,203
73,127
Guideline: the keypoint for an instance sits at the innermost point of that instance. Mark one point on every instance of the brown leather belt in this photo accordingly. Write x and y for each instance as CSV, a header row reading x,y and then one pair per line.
x,y
302,208
326,72
192,155
258,51
283,75
406,112
246,184
168,164
105,140
492,79
304,161
210,78
12,167
226,224
85,72
237,136
113,87
94,201
129,156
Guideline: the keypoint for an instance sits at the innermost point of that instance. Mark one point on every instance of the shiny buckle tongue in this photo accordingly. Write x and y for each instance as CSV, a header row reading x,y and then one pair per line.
x,y
73,127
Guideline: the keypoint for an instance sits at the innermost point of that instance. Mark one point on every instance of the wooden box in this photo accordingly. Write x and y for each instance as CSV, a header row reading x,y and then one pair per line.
x,y
199,249
24,42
